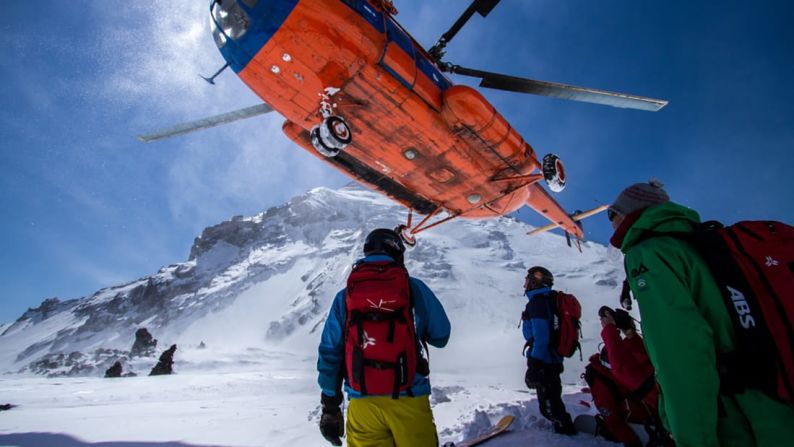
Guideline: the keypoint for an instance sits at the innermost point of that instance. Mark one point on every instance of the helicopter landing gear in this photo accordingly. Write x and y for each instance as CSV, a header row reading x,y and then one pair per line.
x,y
331,136
554,172
408,238
318,144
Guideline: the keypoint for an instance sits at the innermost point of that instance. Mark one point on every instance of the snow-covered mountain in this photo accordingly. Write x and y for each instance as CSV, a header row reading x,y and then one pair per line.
x,y
246,310
266,282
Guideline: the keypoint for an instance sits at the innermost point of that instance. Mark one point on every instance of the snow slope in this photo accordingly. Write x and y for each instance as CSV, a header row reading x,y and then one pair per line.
x,y
255,291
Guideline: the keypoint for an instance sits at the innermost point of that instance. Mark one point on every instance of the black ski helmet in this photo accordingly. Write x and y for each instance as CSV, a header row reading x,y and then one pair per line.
x,y
538,277
623,320
385,241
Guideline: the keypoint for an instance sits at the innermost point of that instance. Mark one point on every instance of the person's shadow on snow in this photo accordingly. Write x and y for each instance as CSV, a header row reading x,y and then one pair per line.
x,y
61,440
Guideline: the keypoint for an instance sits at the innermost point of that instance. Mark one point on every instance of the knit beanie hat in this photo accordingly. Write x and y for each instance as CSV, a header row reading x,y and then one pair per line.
x,y
640,196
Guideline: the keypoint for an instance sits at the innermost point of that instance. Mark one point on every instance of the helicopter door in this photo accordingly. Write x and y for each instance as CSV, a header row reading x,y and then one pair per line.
x,y
398,58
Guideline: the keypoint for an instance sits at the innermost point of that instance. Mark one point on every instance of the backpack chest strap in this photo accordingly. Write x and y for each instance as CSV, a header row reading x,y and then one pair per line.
x,y
357,318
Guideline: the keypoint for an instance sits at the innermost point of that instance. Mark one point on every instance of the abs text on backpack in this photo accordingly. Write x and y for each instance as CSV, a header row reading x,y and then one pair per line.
x,y
566,327
380,340
753,264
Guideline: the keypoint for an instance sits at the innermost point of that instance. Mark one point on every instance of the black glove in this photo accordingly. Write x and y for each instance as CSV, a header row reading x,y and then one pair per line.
x,y
534,375
332,423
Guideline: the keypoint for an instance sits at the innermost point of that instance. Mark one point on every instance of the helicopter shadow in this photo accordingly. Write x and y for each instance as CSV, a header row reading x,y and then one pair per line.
x,y
62,440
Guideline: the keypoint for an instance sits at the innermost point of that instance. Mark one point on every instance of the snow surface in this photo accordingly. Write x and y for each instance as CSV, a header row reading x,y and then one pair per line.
x,y
261,314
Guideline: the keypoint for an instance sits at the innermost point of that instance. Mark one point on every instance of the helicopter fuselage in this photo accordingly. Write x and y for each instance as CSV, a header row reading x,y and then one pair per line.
x,y
416,137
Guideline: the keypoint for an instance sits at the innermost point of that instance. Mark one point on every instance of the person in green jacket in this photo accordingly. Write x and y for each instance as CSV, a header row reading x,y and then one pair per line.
x,y
686,326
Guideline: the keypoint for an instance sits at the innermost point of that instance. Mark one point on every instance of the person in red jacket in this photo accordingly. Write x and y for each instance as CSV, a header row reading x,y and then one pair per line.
x,y
622,382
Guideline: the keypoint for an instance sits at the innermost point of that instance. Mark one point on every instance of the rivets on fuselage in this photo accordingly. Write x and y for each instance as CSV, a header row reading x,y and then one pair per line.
x,y
410,154
275,69
286,57
474,198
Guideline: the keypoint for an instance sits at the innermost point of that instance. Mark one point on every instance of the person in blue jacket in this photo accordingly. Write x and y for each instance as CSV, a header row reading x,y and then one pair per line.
x,y
378,420
544,363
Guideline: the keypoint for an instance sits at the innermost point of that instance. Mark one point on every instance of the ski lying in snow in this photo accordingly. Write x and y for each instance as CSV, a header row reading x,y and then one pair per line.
x,y
495,430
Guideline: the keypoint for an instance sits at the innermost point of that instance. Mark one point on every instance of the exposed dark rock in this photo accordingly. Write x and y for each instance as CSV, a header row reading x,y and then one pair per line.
x,y
145,345
5,407
166,363
202,345
76,363
47,307
609,282
236,232
114,371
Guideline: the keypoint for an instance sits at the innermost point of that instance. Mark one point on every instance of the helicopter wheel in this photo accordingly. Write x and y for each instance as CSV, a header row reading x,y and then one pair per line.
x,y
554,172
320,146
405,234
335,132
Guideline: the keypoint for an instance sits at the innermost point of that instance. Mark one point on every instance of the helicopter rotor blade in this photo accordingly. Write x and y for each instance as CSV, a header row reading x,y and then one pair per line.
x,y
481,7
484,7
206,123
556,90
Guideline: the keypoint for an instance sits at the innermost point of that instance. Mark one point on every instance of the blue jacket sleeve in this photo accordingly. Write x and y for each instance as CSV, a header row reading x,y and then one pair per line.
x,y
540,332
526,329
538,329
432,324
330,362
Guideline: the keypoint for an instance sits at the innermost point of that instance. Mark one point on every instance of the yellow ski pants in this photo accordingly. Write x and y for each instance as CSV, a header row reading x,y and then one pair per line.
x,y
380,421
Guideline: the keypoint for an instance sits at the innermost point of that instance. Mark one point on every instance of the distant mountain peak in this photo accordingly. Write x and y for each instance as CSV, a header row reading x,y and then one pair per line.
x,y
269,279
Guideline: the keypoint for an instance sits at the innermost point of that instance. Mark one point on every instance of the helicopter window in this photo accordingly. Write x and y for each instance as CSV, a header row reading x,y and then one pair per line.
x,y
220,39
231,19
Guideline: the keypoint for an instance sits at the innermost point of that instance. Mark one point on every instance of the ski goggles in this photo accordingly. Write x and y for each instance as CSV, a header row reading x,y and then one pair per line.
x,y
611,214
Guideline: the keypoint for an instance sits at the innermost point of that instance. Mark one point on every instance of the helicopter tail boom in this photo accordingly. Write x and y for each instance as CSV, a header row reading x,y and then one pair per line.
x,y
575,217
540,201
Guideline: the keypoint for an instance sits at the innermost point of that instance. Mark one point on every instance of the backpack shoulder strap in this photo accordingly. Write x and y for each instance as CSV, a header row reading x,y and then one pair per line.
x,y
689,236
423,364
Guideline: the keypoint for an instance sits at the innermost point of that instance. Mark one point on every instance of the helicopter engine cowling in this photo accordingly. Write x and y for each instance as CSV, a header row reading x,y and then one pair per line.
x,y
465,108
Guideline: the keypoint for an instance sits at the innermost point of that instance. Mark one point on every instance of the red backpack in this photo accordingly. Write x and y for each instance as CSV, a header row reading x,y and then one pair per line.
x,y
566,327
380,340
753,264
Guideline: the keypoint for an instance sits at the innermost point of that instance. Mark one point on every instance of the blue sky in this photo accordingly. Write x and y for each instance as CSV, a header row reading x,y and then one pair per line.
x,y
85,205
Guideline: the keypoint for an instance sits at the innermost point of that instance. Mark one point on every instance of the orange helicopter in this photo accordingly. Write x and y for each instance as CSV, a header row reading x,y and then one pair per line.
x,y
360,93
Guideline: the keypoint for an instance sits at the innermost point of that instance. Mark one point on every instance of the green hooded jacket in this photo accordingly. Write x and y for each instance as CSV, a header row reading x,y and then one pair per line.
x,y
684,323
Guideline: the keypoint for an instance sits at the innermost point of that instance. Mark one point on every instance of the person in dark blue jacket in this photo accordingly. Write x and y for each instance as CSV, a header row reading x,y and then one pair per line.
x,y
374,420
544,363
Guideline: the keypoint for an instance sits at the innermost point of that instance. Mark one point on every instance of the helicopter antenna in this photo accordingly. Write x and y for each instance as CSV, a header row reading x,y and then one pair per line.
x,y
211,79
482,7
